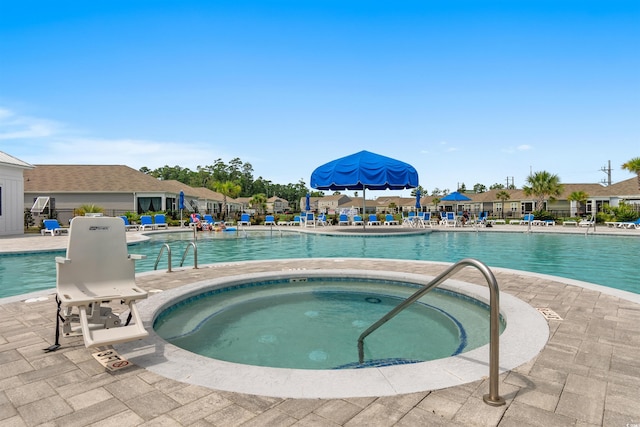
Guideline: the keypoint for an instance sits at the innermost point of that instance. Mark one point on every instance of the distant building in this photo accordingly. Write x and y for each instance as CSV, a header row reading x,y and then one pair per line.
x,y
11,194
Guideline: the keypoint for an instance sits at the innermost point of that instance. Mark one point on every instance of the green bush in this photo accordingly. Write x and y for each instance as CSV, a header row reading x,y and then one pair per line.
x,y
624,212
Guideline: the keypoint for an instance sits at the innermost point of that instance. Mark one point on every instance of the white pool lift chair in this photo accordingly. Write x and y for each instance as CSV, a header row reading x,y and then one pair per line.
x,y
96,274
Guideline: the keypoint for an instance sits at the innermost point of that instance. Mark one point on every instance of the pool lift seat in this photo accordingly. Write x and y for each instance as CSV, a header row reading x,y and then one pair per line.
x,y
96,274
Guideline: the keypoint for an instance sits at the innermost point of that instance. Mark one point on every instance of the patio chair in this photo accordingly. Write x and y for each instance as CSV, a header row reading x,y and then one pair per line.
x,y
97,270
245,219
357,220
269,220
310,219
160,221
390,220
128,226
322,220
146,222
343,219
53,227
451,220
373,220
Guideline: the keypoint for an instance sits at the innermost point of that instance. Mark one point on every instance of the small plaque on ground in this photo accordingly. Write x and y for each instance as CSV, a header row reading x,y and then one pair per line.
x,y
111,360
549,314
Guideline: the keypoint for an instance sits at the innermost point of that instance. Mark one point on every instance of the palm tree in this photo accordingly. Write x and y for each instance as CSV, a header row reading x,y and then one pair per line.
x,y
259,202
502,196
543,186
227,189
633,166
580,197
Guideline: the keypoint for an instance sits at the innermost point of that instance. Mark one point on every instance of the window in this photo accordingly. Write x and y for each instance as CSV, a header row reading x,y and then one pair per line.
x,y
149,204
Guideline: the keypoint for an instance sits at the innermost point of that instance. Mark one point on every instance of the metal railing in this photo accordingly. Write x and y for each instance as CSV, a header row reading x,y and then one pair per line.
x,y
195,254
493,398
162,249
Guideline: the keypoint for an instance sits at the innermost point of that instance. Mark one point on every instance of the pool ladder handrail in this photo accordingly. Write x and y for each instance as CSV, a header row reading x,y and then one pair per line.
x,y
195,254
162,249
493,398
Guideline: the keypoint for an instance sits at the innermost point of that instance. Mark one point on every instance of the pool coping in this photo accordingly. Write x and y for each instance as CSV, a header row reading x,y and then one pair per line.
x,y
526,334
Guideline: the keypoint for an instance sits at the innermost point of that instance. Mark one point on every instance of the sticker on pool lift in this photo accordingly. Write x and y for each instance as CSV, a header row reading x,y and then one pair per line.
x,y
111,360
549,314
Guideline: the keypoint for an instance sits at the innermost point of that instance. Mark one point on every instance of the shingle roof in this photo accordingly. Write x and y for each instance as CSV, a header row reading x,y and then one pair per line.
x,y
90,178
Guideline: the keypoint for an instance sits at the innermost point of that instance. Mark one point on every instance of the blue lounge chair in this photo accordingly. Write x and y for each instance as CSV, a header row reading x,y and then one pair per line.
x,y
322,220
128,226
208,219
160,221
343,219
373,220
146,222
296,220
357,220
245,219
390,220
53,227
451,220
269,220
309,219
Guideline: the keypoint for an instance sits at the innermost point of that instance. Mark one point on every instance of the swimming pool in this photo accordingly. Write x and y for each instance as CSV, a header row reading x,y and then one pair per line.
x,y
605,260
314,323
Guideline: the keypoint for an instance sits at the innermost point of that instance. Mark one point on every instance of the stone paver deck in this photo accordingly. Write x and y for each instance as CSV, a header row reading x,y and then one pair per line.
x,y
587,375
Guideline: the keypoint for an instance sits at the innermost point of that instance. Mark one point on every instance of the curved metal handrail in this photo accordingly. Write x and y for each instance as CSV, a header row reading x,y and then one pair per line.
x,y
164,246
195,254
493,398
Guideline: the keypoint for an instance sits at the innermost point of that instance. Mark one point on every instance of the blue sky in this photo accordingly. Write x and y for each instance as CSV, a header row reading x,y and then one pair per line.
x,y
465,91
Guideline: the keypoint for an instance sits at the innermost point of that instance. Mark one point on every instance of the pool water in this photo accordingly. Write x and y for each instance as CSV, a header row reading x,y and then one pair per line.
x,y
316,324
605,260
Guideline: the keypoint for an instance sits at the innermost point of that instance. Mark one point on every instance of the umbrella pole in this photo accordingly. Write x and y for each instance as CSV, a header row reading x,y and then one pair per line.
x,y
364,206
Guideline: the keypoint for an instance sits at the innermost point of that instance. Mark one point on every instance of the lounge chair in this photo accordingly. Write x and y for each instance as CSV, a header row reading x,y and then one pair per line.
x,y
53,227
296,220
194,220
586,222
208,220
269,220
425,220
245,219
98,270
128,226
343,219
629,224
390,220
451,220
357,220
146,222
322,220
310,219
409,220
482,219
373,220
160,221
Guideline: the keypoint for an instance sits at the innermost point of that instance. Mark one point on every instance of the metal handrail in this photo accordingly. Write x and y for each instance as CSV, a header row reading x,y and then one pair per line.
x,y
164,246
493,398
195,254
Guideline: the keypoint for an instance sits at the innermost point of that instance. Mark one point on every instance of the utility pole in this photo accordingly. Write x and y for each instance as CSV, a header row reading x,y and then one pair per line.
x,y
607,170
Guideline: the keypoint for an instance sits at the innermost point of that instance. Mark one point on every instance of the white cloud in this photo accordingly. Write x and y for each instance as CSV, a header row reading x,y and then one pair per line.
x,y
523,147
14,126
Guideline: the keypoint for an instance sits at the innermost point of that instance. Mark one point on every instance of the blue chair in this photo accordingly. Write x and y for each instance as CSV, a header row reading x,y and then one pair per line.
x,y
160,221
296,220
53,227
128,226
245,219
146,222
373,220
343,219
357,220
390,220
269,220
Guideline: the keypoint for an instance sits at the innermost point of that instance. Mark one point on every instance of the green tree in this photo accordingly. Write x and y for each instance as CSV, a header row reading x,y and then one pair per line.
x,y
543,186
580,197
633,166
479,188
496,186
503,196
227,189
259,202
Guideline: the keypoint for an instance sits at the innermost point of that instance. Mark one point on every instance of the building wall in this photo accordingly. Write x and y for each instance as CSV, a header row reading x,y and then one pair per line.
x,y
67,202
12,209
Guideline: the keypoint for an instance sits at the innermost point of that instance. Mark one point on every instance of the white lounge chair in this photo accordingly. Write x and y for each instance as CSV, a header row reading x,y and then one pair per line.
x,y
96,271
373,220
390,220
343,219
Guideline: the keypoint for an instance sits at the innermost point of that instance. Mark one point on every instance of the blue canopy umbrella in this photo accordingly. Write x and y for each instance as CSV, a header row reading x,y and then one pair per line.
x,y
455,197
418,195
364,170
307,202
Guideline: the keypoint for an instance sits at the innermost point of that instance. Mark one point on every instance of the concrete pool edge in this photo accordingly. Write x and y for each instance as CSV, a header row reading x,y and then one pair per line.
x,y
526,334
